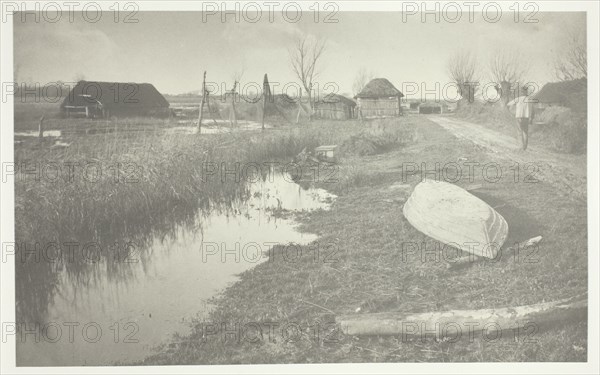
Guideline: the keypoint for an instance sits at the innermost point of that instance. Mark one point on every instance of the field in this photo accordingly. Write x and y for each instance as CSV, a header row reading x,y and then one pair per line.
x,y
361,266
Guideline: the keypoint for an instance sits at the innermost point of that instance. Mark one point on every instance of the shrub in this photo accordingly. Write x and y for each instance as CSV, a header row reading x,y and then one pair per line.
x,y
568,133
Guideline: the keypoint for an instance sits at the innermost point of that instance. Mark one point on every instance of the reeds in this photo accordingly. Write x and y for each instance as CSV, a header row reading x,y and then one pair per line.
x,y
135,180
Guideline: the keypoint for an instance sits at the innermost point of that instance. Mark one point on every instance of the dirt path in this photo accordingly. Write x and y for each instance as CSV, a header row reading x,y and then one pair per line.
x,y
568,171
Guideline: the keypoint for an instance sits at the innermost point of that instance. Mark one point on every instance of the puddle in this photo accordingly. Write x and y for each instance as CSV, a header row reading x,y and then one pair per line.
x,y
153,299
209,127
35,133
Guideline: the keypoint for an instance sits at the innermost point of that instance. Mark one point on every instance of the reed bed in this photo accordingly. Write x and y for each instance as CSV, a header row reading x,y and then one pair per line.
x,y
121,186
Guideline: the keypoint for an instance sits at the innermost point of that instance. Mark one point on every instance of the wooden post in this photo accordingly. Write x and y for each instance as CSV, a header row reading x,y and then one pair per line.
x,y
202,103
299,107
359,113
310,106
232,115
41,129
266,95
210,110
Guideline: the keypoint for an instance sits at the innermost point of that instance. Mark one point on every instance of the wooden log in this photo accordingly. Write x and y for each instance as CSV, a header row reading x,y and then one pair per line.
x,y
447,323
470,259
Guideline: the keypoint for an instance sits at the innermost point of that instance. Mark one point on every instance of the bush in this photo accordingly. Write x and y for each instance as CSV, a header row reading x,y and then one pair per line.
x,y
378,136
568,133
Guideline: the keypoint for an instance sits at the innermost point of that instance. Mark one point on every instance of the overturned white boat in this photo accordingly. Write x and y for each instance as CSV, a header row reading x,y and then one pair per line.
x,y
455,217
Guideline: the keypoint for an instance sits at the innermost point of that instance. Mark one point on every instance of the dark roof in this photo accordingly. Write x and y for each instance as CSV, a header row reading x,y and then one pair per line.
x,y
115,94
379,88
336,98
565,93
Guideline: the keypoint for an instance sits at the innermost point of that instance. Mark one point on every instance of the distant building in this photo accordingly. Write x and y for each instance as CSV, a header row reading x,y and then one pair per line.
x,y
334,107
433,108
414,105
379,98
104,99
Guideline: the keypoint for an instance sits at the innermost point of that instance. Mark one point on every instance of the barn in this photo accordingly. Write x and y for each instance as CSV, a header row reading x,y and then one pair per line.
x,y
570,94
104,99
334,107
379,98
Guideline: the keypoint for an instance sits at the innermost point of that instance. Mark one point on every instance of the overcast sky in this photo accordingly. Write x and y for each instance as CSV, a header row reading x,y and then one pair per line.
x,y
171,49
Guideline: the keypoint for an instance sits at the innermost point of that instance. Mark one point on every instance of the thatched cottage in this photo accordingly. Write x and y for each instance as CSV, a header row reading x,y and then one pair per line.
x,y
379,98
105,99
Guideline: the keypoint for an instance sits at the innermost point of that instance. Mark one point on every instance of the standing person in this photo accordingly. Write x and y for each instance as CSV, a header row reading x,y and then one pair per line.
x,y
524,114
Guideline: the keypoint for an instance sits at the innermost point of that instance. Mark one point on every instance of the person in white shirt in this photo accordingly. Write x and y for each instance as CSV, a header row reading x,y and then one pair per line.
x,y
524,114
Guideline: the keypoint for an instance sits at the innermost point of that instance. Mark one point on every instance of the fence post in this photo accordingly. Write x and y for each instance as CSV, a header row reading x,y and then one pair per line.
x,y
266,95
202,103
41,129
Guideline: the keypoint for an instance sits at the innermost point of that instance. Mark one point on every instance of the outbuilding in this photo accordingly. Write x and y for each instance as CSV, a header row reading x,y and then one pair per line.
x,y
334,107
104,99
379,98
570,94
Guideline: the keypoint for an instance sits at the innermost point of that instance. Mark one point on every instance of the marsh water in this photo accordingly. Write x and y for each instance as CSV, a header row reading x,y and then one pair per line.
x,y
120,317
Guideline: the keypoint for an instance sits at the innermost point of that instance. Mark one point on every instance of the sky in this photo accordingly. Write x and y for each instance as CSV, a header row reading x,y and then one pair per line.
x,y
172,49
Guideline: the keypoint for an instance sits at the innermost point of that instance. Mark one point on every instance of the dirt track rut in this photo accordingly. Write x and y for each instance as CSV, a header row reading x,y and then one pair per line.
x,y
567,171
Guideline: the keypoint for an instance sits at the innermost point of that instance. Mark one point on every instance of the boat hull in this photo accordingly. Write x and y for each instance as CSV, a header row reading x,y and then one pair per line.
x,y
453,216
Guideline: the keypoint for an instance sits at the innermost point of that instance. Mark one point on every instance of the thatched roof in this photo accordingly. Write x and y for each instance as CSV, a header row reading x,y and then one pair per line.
x,y
115,95
336,98
565,93
379,88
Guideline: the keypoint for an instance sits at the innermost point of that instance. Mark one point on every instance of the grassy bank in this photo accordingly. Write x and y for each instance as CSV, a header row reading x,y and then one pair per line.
x,y
361,269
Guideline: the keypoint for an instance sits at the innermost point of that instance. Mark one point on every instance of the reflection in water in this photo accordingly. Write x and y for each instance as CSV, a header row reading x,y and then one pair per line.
x,y
121,309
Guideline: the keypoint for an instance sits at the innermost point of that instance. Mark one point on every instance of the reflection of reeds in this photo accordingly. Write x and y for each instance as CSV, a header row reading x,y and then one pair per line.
x,y
170,190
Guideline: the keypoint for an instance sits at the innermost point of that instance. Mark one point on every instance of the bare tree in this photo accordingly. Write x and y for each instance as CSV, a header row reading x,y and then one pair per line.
x,y
507,69
462,69
363,76
571,63
304,57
